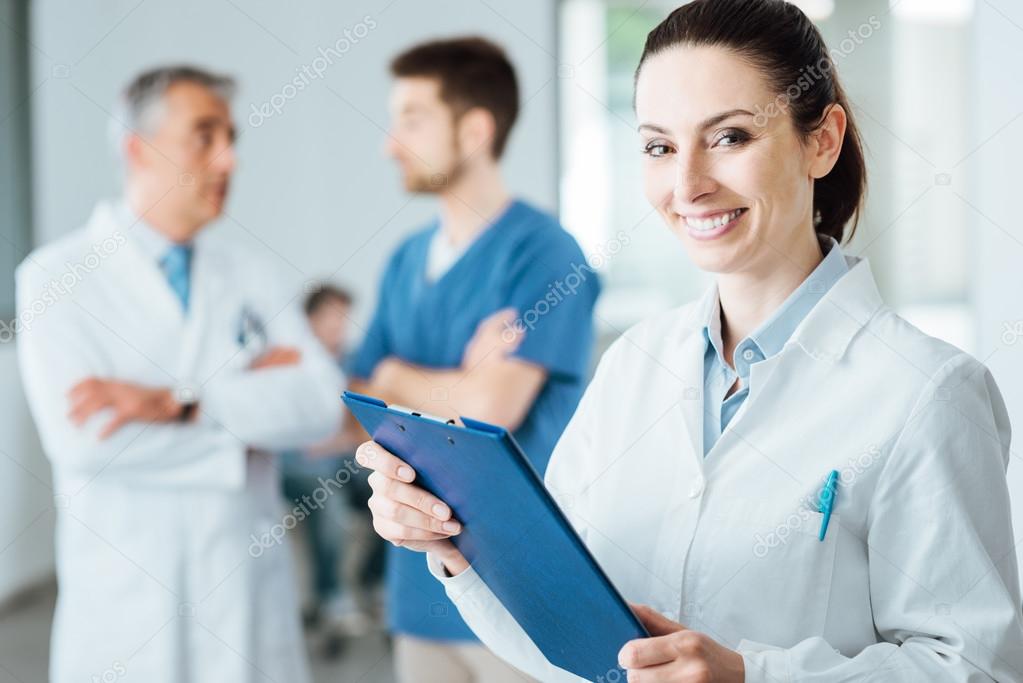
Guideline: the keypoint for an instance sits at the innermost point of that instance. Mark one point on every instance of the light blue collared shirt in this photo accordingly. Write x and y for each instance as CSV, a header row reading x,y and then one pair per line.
x,y
766,341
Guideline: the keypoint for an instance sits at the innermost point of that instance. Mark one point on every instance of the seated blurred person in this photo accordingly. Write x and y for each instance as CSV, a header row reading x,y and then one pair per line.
x,y
328,491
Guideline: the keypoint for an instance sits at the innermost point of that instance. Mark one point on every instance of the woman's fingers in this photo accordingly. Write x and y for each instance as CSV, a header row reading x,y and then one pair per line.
x,y
656,623
637,654
396,511
403,512
414,497
399,534
377,458
390,479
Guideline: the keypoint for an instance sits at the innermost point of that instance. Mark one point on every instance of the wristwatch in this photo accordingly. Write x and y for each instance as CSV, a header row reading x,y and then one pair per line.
x,y
188,399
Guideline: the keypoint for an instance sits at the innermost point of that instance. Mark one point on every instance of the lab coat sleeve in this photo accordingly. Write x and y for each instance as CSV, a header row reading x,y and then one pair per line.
x,y
495,627
63,345
944,581
478,605
284,407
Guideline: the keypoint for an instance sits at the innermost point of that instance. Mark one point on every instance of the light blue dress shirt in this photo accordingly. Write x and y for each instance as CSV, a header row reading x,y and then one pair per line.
x,y
766,341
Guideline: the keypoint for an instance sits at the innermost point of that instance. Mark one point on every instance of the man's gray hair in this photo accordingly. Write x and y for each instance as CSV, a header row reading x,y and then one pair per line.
x,y
140,103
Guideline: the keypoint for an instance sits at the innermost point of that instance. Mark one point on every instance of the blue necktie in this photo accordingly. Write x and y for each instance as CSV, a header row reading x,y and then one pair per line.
x,y
176,265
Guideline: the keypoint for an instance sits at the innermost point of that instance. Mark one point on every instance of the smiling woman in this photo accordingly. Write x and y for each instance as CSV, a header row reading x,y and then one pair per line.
x,y
713,426
785,126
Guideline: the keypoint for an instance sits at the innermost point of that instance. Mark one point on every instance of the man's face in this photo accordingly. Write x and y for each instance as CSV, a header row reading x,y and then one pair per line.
x,y
329,323
187,161
424,135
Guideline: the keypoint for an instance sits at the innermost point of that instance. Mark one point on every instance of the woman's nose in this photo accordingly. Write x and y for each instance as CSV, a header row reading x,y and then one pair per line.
x,y
692,178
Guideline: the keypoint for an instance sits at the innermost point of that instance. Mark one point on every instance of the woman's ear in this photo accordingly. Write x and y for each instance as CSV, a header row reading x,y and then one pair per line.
x,y
827,141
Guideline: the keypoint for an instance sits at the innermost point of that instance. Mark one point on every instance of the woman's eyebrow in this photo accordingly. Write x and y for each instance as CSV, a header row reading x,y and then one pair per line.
x,y
707,123
652,127
718,118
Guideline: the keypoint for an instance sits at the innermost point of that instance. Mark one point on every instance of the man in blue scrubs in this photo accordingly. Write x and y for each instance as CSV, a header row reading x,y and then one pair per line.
x,y
486,312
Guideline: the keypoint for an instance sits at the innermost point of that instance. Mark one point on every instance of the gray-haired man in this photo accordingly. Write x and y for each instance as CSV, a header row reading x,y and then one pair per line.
x,y
160,362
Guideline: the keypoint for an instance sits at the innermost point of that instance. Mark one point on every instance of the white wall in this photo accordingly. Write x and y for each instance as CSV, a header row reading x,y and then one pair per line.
x,y
312,183
312,186
991,180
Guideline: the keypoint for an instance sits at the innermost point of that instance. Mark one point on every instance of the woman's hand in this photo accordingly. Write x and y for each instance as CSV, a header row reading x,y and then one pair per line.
x,y
406,515
676,654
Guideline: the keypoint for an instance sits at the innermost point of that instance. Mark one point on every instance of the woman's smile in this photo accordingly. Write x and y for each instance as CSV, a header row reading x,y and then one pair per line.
x,y
713,224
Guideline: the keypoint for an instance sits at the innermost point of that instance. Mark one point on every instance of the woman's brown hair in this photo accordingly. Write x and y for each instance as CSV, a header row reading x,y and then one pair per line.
x,y
778,39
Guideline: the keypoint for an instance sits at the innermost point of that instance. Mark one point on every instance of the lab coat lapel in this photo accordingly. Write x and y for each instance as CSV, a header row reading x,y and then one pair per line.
x,y
821,337
133,269
207,297
688,368
741,428
691,402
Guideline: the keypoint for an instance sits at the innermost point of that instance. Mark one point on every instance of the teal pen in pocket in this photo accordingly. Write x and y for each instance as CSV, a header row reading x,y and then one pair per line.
x,y
827,501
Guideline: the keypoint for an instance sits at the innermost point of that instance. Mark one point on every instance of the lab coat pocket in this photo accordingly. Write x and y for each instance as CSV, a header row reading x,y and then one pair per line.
x,y
775,579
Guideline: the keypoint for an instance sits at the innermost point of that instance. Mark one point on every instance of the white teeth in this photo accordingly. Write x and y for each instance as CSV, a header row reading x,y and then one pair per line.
x,y
711,223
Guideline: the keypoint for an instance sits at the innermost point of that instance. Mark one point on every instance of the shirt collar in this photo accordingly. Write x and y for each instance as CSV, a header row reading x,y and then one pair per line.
x,y
778,328
770,337
151,241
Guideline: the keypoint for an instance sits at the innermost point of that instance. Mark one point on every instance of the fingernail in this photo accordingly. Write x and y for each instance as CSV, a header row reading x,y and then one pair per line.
x,y
451,527
405,473
440,511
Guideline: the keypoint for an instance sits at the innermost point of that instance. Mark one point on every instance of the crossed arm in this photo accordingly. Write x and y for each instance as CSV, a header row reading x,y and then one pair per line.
x,y
490,385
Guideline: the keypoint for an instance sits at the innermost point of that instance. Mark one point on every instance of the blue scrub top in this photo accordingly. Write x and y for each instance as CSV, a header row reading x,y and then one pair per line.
x,y
524,260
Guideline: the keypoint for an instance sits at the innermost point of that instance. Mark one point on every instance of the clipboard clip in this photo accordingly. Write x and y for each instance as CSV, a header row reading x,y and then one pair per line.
x,y
417,413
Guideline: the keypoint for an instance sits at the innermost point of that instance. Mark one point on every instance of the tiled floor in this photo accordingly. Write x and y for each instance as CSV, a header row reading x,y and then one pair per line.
x,y
25,635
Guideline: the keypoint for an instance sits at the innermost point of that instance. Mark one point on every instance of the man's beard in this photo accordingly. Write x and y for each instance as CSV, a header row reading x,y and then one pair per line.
x,y
437,181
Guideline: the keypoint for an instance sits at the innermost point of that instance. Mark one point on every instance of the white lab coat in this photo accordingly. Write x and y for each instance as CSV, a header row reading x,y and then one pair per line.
x,y
159,574
916,579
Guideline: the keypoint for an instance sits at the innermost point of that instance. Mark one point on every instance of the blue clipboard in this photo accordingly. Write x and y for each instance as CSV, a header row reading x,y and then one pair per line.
x,y
513,534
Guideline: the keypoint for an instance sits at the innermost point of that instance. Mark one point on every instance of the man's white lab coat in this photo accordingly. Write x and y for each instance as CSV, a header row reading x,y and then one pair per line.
x,y
161,575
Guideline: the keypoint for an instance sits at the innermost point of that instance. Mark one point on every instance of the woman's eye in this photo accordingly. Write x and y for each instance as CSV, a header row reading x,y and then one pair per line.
x,y
731,138
656,149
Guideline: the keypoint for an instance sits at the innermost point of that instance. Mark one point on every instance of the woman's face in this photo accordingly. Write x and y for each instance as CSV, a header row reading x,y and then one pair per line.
x,y
735,185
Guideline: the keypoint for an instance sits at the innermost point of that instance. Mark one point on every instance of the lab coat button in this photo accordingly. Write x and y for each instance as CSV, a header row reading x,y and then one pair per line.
x,y
749,355
697,488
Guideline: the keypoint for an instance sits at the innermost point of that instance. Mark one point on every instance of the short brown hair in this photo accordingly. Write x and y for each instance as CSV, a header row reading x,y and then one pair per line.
x,y
473,72
324,293
783,43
